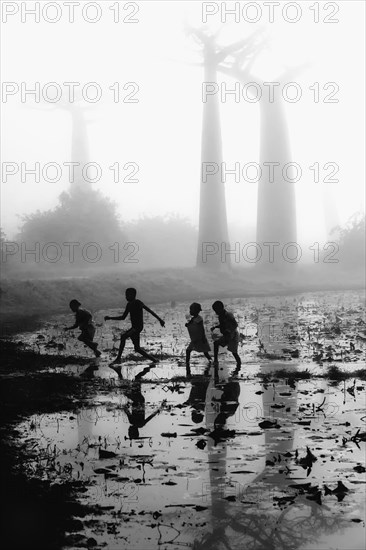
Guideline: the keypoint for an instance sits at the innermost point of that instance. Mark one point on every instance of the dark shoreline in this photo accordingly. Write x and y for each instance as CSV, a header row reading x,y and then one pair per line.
x,y
34,514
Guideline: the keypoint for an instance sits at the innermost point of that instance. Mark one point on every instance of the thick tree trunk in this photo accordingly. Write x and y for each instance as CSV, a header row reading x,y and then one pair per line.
x,y
276,209
212,216
79,152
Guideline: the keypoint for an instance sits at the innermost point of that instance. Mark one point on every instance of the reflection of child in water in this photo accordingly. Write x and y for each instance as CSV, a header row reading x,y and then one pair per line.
x,y
197,335
229,402
136,410
197,397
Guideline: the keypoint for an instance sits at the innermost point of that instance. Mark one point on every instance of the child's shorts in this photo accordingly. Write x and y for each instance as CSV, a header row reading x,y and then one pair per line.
x,y
134,334
231,341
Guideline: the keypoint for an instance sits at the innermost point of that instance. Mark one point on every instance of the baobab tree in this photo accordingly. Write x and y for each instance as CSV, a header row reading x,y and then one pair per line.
x,y
213,229
276,207
213,235
79,146
79,152
82,215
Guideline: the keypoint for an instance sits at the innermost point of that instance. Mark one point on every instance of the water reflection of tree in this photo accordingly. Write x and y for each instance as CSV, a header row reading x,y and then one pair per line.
x,y
298,520
288,531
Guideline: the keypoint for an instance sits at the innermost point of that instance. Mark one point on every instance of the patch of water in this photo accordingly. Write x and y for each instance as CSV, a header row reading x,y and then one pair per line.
x,y
190,462
313,329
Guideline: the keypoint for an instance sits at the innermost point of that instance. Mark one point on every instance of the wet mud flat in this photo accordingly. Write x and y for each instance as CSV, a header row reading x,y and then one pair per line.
x,y
271,456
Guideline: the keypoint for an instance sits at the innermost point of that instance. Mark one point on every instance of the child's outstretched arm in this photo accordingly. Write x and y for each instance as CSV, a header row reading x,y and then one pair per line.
x,y
75,325
119,318
154,315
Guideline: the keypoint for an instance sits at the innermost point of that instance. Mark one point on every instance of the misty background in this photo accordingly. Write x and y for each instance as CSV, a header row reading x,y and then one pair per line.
x,y
161,133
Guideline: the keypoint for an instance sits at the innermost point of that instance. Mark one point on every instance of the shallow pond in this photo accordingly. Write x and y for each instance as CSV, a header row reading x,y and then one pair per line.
x,y
221,459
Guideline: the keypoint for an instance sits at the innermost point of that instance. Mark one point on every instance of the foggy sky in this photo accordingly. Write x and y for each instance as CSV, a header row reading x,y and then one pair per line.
x,y
162,132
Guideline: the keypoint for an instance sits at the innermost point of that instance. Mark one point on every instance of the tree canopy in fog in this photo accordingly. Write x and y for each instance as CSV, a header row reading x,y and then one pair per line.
x,y
351,242
79,217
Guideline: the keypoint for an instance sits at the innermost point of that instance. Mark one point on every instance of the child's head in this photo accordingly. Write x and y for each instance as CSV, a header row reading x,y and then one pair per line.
x,y
74,305
218,307
195,308
130,294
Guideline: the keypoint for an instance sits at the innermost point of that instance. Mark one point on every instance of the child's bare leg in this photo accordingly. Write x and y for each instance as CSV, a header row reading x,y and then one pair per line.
x,y
94,346
89,343
95,349
216,371
188,357
147,355
120,351
216,352
237,359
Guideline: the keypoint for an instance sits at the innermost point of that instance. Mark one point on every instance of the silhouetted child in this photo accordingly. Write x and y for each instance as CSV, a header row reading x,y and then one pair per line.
x,y
135,309
197,335
229,330
84,321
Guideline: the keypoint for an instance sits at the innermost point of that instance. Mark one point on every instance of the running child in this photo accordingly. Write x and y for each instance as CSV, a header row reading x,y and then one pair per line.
x,y
84,321
197,335
229,329
135,308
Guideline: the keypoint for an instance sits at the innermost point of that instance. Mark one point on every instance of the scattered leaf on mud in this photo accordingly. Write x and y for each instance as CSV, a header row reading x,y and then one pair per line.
x,y
268,424
102,471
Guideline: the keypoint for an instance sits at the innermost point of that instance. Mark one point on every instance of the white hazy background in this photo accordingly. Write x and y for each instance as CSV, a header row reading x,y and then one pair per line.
x,y
162,133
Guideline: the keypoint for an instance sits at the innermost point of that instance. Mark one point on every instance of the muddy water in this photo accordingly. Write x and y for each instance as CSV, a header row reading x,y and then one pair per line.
x,y
219,460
